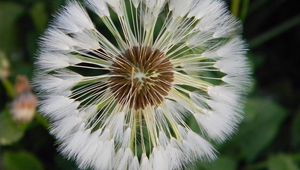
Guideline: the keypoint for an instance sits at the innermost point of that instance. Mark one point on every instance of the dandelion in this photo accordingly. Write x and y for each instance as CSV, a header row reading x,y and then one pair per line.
x,y
120,80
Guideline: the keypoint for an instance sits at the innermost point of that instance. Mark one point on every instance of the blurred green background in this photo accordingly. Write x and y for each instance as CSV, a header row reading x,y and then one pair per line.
x,y
268,139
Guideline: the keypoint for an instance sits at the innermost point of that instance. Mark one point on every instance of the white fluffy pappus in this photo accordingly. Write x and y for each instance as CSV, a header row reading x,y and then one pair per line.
x,y
120,85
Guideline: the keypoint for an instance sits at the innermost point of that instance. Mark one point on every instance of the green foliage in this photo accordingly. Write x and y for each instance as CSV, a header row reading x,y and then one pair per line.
x,y
282,162
10,131
296,131
42,121
224,163
63,164
39,16
9,15
262,122
21,161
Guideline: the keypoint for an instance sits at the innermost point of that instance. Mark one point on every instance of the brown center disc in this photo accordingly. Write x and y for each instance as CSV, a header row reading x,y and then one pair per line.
x,y
141,77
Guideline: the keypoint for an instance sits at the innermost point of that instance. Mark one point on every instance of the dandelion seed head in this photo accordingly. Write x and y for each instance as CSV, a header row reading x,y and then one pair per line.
x,y
145,74
120,86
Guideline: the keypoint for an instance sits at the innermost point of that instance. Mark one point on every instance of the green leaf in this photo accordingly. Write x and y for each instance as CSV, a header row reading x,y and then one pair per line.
x,y
64,164
262,122
10,131
296,132
42,120
223,163
21,161
9,13
281,162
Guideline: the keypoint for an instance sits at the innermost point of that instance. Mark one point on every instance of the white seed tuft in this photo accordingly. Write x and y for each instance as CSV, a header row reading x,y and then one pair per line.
x,y
99,7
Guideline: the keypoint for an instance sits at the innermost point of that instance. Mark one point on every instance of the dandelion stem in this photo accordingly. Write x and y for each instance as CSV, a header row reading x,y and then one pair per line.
x,y
281,28
235,7
8,87
245,10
